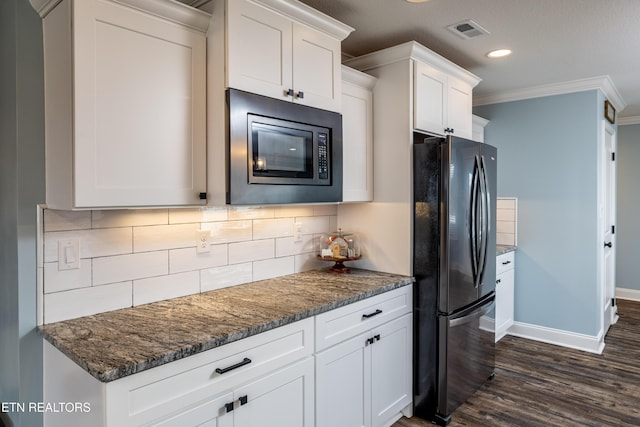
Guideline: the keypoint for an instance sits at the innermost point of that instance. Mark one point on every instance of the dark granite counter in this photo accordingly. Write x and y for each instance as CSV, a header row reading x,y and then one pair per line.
x,y
503,249
123,342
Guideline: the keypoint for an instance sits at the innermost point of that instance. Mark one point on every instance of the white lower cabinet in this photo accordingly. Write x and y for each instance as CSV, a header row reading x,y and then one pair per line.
x,y
366,379
360,376
505,284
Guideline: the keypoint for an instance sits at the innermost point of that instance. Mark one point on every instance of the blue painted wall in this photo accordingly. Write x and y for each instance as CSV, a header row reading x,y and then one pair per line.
x,y
21,189
547,158
628,209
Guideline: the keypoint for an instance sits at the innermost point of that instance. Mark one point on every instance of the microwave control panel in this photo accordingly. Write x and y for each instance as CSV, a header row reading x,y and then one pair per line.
x,y
323,167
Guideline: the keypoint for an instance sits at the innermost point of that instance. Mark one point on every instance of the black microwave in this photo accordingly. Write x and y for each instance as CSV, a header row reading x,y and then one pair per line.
x,y
282,152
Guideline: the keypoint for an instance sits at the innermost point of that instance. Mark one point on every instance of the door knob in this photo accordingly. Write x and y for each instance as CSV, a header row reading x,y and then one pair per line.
x,y
608,244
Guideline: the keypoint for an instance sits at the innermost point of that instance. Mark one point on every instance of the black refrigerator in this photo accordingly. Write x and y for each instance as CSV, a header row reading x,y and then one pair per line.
x,y
455,271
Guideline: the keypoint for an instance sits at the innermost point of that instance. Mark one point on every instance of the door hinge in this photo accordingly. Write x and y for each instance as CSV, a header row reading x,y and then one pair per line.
x,y
613,302
613,229
613,157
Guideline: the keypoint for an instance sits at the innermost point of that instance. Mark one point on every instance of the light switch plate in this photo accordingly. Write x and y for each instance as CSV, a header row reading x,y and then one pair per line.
x,y
203,241
297,232
68,254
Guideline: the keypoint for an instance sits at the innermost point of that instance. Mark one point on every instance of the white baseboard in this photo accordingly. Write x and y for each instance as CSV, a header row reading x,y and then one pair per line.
x,y
589,343
630,294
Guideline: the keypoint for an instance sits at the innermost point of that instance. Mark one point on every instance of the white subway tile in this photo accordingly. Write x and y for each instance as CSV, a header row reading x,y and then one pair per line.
x,y
129,218
505,214
505,239
93,243
229,231
306,262
322,210
271,228
286,246
63,280
250,212
66,220
159,237
222,277
293,211
253,250
275,267
505,227
86,301
333,223
188,259
129,267
165,287
182,216
505,203
314,225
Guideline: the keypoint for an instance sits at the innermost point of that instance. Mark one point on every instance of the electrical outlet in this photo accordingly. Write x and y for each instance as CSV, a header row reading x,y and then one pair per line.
x,y
68,254
297,232
203,241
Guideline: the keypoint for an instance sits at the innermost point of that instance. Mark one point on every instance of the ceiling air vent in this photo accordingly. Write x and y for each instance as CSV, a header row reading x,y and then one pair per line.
x,y
467,29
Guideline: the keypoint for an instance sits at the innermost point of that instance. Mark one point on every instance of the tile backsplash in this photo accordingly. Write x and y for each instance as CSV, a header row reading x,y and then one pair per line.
x,y
507,221
133,257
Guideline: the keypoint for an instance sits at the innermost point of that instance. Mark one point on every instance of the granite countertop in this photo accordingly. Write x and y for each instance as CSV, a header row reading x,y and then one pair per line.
x,y
503,249
118,343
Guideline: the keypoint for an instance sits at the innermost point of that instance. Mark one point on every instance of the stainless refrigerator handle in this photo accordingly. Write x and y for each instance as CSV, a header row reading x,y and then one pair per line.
x,y
470,317
484,220
473,232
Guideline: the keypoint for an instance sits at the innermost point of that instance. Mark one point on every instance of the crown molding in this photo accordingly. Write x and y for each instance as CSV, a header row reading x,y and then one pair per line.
x,y
603,83
623,121
310,16
351,75
411,50
170,10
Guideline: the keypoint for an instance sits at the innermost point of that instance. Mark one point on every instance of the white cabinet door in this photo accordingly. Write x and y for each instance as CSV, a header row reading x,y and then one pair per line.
x,y
505,284
430,97
284,398
124,108
357,137
391,369
317,78
139,108
341,383
459,108
259,52
442,103
211,413
272,55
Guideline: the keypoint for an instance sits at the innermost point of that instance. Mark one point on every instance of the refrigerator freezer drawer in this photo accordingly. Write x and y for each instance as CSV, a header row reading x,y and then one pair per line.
x,y
466,357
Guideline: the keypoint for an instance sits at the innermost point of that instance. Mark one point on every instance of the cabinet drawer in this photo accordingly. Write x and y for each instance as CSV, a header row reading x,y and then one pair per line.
x,y
148,395
505,262
342,323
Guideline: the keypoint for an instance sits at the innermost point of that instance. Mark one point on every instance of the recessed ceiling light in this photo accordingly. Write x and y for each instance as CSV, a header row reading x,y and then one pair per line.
x,y
416,1
499,53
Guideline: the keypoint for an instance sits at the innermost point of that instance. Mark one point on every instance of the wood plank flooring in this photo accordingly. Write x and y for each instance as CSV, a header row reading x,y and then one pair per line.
x,y
539,384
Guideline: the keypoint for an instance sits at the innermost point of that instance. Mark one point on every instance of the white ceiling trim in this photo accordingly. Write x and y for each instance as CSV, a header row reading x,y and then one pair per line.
x,y
604,83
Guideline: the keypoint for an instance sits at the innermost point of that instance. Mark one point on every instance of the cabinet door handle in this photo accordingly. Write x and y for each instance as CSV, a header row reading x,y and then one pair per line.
x,y
375,313
245,361
506,262
377,337
368,341
288,92
243,400
228,406
202,196
300,94
498,281
608,244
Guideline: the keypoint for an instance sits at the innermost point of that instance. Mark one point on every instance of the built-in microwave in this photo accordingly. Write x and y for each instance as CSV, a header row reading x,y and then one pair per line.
x,y
282,152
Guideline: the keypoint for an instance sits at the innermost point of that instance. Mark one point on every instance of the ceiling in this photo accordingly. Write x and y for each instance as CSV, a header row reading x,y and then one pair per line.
x,y
553,41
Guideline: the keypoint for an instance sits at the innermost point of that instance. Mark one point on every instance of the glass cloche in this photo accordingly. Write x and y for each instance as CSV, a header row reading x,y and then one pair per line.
x,y
338,247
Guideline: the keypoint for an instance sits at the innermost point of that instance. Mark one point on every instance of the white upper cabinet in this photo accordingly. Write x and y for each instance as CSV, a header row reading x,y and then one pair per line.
x,y
357,135
285,50
125,103
443,103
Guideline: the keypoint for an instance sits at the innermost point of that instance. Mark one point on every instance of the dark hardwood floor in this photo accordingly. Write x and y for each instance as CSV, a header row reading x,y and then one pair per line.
x,y
539,384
